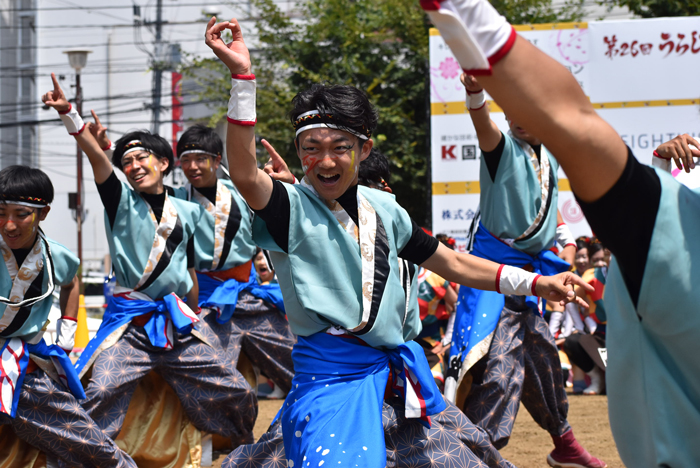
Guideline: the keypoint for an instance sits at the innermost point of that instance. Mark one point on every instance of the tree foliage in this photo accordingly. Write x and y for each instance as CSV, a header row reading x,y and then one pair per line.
x,y
379,46
658,8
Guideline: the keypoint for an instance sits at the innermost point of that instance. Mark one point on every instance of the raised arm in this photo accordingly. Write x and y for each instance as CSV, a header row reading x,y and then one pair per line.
x,y
253,184
101,165
534,89
487,132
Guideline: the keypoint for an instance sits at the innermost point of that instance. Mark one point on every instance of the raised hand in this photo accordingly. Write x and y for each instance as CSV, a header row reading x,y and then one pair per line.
x,y
56,98
235,54
560,288
276,167
681,150
99,131
470,83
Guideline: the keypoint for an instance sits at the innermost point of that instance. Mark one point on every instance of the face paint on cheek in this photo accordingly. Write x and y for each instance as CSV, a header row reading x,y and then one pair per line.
x,y
308,162
352,173
150,164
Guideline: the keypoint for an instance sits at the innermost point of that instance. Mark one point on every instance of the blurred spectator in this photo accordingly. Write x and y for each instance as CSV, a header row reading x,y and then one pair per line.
x,y
583,349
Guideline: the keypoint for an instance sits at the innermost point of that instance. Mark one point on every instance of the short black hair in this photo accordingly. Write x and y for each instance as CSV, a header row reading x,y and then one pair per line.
x,y
200,137
373,169
348,105
156,144
25,183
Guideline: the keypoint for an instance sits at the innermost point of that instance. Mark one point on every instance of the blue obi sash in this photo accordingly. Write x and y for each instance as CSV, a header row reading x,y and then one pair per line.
x,y
14,354
168,313
224,294
478,311
333,415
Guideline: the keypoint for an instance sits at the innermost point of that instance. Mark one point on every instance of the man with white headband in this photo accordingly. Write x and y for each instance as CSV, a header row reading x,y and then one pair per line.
x,y
147,326
648,220
335,247
499,335
251,313
38,382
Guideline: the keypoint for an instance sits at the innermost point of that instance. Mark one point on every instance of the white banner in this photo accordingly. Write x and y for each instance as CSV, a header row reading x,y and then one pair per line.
x,y
641,76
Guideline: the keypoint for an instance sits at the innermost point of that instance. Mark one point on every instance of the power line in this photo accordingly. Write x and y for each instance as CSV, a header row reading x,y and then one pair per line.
x,y
117,25
128,111
113,7
71,46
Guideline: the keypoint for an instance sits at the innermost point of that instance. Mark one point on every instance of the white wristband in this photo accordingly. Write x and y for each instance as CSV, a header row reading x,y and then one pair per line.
x,y
110,151
72,121
476,101
65,333
475,32
515,281
241,106
564,236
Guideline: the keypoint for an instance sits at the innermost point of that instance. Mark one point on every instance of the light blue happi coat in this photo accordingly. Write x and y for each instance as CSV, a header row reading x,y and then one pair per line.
x,y
131,238
29,320
321,277
240,248
653,374
510,203
65,267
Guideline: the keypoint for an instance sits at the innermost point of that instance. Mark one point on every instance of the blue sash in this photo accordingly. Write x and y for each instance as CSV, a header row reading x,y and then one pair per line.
x,y
122,310
478,311
213,292
333,415
19,360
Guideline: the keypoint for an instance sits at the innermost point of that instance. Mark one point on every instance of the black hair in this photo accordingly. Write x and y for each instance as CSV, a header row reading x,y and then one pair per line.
x,y
374,169
581,243
348,105
24,183
156,144
200,137
594,247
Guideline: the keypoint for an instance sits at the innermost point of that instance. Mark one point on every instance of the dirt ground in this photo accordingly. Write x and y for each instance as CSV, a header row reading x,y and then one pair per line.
x,y
529,444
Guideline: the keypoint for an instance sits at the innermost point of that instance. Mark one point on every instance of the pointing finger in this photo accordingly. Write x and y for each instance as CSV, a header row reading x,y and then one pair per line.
x,y
56,86
96,118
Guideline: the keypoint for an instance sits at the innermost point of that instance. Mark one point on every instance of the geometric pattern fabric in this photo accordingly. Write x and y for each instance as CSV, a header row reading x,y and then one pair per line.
x,y
214,394
52,420
451,442
261,332
522,365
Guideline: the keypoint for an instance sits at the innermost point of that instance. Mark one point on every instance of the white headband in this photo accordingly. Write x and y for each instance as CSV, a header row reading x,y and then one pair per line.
x,y
29,204
325,125
198,151
135,148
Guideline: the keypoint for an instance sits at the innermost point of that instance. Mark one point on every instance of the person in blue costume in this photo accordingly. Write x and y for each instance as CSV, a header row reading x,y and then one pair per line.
x,y
40,387
251,315
648,220
518,226
336,248
147,326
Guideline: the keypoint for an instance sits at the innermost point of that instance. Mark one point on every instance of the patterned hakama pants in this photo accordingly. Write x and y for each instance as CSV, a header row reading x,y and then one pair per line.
x,y
52,420
213,394
451,442
522,365
261,332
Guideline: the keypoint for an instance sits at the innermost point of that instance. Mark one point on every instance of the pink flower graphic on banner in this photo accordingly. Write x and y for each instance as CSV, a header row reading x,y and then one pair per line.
x,y
449,68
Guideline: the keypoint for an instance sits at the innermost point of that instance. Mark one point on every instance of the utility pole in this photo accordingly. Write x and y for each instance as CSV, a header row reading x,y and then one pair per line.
x,y
158,67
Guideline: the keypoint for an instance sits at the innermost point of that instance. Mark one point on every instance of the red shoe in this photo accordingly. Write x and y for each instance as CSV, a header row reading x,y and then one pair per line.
x,y
568,453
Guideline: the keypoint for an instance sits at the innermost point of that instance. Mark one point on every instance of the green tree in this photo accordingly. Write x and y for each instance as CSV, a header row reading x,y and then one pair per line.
x,y
657,8
379,46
